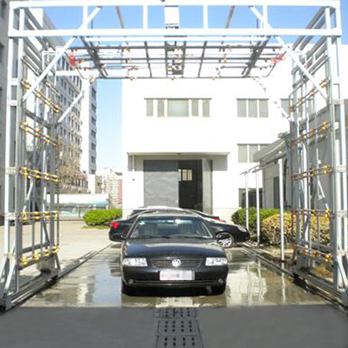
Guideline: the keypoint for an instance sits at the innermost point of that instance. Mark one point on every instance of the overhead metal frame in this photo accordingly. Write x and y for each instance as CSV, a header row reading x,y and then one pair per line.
x,y
145,52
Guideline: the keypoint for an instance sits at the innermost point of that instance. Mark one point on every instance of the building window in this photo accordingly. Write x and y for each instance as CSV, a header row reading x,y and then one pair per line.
x,y
2,52
185,174
149,107
93,134
252,108
94,121
94,108
93,159
178,107
160,108
93,147
246,152
195,107
3,9
1,96
285,104
94,94
252,198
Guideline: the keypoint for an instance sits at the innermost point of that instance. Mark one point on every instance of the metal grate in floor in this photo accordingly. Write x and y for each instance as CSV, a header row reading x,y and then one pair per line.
x,y
177,328
176,313
179,342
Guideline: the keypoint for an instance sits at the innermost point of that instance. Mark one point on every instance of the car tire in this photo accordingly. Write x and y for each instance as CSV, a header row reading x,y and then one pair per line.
x,y
226,243
127,290
218,290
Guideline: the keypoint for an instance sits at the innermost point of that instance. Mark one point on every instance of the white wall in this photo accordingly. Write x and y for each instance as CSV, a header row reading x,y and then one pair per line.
x,y
180,138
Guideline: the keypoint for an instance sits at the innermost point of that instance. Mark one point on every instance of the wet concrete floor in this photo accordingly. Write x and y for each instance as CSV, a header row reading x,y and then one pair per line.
x,y
97,284
260,308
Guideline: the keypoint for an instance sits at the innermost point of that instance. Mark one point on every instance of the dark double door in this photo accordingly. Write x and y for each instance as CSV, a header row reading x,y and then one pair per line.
x,y
179,183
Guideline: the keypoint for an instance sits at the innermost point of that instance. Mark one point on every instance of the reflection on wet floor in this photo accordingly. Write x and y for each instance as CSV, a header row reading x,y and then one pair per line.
x,y
97,283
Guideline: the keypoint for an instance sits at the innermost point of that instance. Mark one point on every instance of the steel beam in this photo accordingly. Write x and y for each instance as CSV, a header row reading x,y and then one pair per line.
x,y
290,52
81,3
123,34
59,54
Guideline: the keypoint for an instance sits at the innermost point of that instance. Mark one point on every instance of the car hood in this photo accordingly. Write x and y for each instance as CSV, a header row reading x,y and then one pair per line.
x,y
163,247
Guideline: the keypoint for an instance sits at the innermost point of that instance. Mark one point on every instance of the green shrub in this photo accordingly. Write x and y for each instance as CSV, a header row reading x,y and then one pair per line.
x,y
271,229
101,216
239,216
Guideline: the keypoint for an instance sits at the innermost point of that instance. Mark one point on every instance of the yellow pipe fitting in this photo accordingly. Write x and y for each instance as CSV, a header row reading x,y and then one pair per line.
x,y
24,261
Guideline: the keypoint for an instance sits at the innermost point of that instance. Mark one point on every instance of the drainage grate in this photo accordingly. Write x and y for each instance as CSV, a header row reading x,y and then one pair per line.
x,y
176,313
178,327
179,342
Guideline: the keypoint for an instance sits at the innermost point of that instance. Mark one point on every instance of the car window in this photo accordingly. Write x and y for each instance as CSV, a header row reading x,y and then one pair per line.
x,y
170,227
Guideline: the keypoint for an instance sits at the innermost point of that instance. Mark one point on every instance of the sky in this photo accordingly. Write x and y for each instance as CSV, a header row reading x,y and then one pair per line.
x,y
109,99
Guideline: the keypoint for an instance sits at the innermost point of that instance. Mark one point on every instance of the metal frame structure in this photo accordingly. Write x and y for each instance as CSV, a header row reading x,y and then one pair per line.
x,y
145,52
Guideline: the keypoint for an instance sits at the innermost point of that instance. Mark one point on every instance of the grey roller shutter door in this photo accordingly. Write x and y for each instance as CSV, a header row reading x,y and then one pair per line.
x,y
161,185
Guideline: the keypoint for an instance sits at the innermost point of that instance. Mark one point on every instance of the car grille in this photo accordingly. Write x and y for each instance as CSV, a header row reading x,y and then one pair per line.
x,y
185,263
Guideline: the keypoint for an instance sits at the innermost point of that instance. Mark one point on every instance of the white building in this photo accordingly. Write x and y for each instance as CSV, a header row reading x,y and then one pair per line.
x,y
3,83
185,142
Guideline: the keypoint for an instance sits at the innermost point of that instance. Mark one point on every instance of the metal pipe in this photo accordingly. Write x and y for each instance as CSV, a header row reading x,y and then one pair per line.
x,y
281,208
257,208
247,201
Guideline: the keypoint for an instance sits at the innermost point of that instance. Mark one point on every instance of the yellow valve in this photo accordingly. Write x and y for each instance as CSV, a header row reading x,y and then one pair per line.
x,y
24,261
36,256
328,258
55,249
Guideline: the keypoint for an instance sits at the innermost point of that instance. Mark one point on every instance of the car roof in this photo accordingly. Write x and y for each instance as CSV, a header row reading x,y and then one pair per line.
x,y
169,213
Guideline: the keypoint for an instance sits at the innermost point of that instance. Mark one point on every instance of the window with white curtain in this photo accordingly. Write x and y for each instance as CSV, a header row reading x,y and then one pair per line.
x,y
246,152
252,108
178,107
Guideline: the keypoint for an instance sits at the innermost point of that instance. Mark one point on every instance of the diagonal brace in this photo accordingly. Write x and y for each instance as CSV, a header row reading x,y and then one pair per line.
x,y
68,110
289,52
59,55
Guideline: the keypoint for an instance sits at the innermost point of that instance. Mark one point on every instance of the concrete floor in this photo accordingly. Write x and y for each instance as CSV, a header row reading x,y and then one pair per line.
x,y
260,308
97,284
75,240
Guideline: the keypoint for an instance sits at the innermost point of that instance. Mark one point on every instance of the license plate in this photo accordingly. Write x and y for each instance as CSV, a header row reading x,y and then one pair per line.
x,y
176,275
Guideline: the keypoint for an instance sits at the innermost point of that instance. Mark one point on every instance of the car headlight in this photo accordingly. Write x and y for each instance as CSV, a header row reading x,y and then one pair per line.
x,y
216,261
134,262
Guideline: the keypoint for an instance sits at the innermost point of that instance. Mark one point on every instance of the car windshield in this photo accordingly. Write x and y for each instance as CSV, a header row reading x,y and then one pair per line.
x,y
170,227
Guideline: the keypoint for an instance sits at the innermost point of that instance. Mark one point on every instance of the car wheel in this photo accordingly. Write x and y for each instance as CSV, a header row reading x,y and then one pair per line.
x,y
218,290
226,243
127,290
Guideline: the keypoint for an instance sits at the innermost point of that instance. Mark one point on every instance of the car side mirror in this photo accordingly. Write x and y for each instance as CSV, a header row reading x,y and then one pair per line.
x,y
223,235
117,237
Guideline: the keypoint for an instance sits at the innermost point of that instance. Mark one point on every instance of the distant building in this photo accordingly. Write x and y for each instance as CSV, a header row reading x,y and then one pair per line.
x,y
95,184
89,128
112,185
